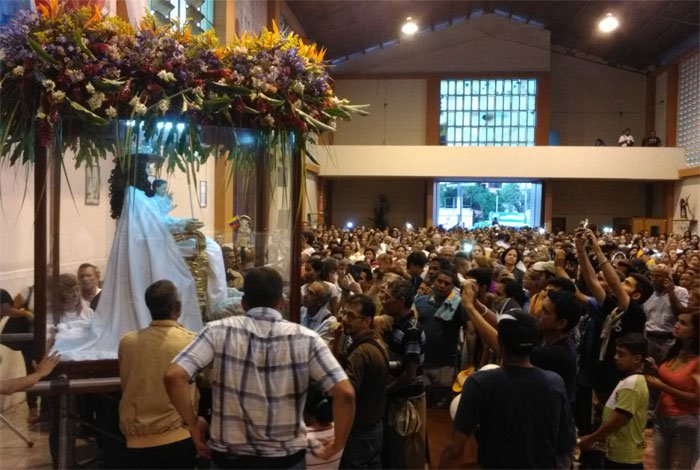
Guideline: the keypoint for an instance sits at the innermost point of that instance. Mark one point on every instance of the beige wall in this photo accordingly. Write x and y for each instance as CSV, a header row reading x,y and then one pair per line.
x,y
638,163
354,200
599,201
660,106
684,188
398,111
591,100
488,43
86,231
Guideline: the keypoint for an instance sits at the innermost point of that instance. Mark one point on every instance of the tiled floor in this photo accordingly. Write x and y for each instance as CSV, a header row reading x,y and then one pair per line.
x,y
15,454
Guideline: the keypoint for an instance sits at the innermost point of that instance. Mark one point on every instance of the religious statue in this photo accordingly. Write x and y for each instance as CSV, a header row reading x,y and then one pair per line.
x,y
149,245
380,210
685,208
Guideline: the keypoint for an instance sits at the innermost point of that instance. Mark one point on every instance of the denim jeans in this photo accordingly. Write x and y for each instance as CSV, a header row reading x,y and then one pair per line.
x,y
363,448
676,441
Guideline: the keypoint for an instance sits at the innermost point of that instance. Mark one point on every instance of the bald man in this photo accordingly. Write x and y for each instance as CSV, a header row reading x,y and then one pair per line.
x,y
662,309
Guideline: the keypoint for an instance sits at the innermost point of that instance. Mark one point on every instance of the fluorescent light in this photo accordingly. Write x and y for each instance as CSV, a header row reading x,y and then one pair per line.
x,y
409,27
609,23
348,225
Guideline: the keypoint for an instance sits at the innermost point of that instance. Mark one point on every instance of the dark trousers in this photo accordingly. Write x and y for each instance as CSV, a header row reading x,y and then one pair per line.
x,y
181,454
622,466
230,461
363,448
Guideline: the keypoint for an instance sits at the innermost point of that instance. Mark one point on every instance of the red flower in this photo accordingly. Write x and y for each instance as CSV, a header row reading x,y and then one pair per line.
x,y
125,92
76,94
238,105
92,69
221,73
100,47
154,89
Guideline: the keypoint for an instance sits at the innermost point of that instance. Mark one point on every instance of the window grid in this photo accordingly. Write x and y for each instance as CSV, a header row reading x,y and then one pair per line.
x,y
177,10
488,112
688,109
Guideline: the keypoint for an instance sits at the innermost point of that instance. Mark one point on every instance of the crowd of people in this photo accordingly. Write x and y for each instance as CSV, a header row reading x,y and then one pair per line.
x,y
558,343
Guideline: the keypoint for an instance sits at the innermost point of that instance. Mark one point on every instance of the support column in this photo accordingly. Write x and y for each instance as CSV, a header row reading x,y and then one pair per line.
x,y
672,106
548,204
321,199
40,250
429,202
297,162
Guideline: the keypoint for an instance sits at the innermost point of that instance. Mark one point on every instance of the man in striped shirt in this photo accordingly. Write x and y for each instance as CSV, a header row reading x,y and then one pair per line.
x,y
261,368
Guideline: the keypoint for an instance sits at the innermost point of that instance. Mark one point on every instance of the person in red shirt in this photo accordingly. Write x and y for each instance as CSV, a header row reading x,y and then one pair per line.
x,y
676,422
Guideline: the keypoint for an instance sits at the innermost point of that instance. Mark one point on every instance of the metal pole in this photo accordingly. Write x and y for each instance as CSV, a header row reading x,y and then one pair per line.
x,y
66,439
77,386
297,164
28,441
40,252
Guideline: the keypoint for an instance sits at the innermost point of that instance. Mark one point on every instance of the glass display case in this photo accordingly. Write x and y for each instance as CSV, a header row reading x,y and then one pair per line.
x,y
151,243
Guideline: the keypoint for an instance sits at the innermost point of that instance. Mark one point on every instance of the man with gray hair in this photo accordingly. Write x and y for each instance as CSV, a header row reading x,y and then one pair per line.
x,y
314,314
662,309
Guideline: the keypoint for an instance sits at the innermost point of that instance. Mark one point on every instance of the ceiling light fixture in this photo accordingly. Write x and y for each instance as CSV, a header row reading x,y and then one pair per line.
x,y
409,27
609,23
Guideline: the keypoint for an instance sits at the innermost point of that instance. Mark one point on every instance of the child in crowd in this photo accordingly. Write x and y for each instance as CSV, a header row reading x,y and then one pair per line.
x,y
625,414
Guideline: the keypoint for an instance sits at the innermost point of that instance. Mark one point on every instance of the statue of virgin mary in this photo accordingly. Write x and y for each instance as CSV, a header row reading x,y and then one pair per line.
x,y
143,252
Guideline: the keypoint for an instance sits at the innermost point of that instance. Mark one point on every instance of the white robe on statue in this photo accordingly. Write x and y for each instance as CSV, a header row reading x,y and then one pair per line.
x,y
143,252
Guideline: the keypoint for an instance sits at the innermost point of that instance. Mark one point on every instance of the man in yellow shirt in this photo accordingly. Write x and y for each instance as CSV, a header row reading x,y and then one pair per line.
x,y
155,437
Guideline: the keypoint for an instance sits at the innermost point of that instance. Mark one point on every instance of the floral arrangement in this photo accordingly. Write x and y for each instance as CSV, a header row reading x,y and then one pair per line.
x,y
70,62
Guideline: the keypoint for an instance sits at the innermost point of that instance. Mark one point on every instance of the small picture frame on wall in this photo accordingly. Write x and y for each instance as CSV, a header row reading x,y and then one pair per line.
x,y
92,186
202,194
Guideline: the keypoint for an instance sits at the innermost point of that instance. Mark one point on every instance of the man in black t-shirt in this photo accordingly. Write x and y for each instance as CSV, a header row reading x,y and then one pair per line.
x,y
627,317
522,412
560,313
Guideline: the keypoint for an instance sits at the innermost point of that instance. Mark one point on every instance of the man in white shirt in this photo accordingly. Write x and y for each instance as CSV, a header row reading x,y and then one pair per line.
x,y
626,139
314,313
662,309
89,279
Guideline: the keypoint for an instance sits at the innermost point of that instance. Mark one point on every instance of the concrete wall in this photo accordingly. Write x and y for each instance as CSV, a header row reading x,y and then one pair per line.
x,y
397,116
590,100
86,231
684,188
489,43
599,201
354,200
637,163
660,106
